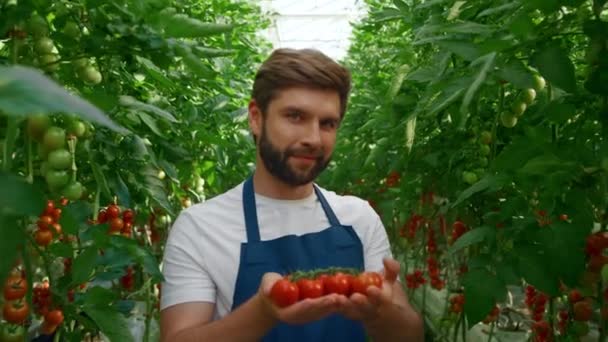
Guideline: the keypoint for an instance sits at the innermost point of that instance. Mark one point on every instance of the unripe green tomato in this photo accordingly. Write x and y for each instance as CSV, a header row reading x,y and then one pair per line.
x,y
528,96
77,128
91,75
539,83
508,120
469,177
71,30
80,63
48,62
484,150
57,179
485,137
519,108
60,159
73,191
37,126
54,138
44,46
38,26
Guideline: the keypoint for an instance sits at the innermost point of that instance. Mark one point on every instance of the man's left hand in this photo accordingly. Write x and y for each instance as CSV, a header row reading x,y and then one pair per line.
x,y
367,308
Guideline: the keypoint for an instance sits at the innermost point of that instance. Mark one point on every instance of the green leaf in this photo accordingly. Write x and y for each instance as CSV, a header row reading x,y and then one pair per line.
x,y
18,196
490,182
502,8
555,66
466,49
151,123
210,53
13,239
131,102
153,71
111,323
546,164
397,81
386,14
61,249
69,222
472,237
558,111
536,269
482,290
546,6
100,178
99,297
487,62
84,265
193,62
26,91
182,26
517,74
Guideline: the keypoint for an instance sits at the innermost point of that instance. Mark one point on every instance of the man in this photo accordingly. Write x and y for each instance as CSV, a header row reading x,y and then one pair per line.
x,y
223,256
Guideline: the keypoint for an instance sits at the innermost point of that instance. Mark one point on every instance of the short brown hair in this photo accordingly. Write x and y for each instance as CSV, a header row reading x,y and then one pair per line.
x,y
305,67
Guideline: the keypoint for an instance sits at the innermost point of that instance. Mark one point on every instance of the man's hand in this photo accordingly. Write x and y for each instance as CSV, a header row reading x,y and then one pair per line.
x,y
367,308
304,311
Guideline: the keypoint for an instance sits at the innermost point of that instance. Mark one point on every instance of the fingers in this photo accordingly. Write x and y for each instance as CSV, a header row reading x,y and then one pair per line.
x,y
309,310
391,269
268,281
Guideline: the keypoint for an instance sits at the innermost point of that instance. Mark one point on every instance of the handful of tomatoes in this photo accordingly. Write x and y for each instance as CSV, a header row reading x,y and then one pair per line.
x,y
301,285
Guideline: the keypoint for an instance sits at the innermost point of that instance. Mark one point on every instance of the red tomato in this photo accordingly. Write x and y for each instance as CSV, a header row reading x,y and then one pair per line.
x,y
56,214
112,211
128,215
284,293
310,288
45,222
339,284
15,288
50,206
116,225
102,216
43,237
54,317
365,280
15,312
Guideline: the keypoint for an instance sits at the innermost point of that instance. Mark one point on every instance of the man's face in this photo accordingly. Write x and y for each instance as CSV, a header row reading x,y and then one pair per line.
x,y
297,134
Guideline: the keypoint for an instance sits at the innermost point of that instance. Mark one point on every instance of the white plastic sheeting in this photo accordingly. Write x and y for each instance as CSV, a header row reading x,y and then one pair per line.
x,y
320,24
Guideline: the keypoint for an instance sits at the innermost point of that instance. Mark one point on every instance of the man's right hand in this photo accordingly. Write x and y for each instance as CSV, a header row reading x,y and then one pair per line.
x,y
303,311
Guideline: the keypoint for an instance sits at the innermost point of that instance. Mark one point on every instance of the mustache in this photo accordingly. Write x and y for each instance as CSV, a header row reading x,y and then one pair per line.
x,y
304,151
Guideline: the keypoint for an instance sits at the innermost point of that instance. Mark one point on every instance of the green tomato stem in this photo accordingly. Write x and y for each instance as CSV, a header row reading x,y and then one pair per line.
x,y
30,160
9,143
72,148
27,263
492,326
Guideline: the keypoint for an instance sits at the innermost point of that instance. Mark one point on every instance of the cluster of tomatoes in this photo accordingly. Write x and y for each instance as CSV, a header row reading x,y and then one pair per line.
x,y
536,301
492,316
118,222
458,230
43,306
434,273
299,286
392,179
15,309
56,148
48,223
415,279
457,303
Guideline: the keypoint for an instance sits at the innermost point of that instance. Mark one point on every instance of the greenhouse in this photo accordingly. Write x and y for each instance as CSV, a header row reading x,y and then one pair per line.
x,y
273,170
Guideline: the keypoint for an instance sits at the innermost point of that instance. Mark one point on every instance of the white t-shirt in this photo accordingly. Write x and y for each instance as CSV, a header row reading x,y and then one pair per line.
x,y
202,254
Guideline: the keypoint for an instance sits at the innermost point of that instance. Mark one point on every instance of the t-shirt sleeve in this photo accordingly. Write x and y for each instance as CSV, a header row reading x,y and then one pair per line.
x,y
377,246
184,269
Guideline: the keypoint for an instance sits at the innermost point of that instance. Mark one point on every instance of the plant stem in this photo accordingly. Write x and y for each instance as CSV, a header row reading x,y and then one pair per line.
x,y
492,326
464,327
30,160
148,313
12,131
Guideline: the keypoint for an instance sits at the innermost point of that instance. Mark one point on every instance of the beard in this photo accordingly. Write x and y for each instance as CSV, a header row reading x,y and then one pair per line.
x,y
276,162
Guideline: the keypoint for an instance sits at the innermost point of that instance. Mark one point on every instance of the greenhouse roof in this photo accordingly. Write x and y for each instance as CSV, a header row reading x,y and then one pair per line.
x,y
320,24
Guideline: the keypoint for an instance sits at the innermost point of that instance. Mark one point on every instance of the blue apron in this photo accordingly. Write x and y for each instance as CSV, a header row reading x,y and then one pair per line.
x,y
337,245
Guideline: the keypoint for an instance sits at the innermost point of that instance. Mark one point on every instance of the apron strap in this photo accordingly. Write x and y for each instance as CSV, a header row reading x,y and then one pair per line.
x,y
251,216
331,216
